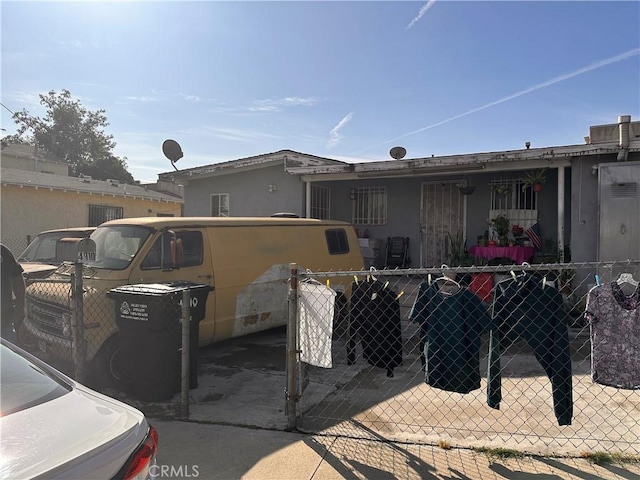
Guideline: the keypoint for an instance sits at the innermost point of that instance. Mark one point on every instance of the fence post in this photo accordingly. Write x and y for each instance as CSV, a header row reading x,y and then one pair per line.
x,y
78,352
184,390
292,349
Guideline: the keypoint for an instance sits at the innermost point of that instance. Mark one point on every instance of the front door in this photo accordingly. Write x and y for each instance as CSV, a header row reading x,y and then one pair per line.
x,y
442,211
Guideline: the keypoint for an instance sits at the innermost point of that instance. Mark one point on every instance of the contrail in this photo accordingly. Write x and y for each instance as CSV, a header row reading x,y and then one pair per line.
x,y
335,131
422,11
566,76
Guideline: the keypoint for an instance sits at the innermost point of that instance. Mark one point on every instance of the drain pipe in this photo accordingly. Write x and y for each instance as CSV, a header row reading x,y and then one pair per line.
x,y
624,123
561,214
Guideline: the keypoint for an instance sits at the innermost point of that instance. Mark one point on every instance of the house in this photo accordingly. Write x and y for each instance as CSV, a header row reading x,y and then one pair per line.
x,y
587,211
29,157
33,201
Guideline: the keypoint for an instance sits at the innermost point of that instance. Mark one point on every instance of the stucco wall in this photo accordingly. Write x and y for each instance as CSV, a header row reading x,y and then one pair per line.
x,y
249,193
29,211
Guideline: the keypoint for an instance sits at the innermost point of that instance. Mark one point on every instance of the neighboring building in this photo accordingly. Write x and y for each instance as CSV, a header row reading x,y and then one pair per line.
x,y
419,198
28,157
34,201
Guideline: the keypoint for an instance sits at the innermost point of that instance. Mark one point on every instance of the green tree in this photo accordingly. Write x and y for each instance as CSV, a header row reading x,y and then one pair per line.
x,y
74,134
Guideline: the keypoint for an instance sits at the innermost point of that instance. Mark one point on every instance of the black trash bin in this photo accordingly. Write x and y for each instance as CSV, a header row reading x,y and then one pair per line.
x,y
150,336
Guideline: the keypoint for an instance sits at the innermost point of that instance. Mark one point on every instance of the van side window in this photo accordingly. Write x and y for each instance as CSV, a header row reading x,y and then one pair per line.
x,y
190,244
337,241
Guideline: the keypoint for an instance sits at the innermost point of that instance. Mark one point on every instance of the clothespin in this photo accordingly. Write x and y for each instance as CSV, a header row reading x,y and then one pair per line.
x,y
328,283
373,269
386,284
429,279
513,274
598,280
355,279
399,295
544,281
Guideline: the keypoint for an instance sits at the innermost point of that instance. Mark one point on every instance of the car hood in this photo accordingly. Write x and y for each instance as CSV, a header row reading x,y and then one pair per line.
x,y
37,270
81,434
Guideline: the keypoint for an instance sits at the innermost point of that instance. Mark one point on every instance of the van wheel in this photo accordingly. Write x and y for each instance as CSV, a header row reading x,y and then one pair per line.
x,y
107,368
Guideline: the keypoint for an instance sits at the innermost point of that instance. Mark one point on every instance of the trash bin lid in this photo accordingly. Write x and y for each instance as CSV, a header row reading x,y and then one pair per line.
x,y
158,289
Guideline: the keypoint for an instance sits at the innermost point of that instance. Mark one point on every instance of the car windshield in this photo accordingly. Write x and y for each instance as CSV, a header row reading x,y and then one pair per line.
x,y
117,245
25,384
43,247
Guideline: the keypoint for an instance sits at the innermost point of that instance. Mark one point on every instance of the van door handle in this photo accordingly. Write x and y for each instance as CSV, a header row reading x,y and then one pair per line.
x,y
208,276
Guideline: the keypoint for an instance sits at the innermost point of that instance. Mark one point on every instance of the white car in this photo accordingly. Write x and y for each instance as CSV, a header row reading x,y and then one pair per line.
x,y
53,427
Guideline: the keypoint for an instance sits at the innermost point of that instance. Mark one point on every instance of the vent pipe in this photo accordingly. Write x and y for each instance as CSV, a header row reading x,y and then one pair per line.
x,y
624,123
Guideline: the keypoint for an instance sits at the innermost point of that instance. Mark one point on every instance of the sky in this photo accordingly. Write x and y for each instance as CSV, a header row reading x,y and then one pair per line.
x,y
336,79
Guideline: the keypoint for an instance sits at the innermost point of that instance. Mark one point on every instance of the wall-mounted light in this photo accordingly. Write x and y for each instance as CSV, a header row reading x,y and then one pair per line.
x,y
272,188
352,194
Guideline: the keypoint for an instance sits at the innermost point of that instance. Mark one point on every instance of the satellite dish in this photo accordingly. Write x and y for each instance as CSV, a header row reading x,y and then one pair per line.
x,y
172,151
398,152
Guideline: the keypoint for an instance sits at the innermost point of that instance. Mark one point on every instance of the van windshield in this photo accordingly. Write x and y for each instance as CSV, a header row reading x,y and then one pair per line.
x,y
117,245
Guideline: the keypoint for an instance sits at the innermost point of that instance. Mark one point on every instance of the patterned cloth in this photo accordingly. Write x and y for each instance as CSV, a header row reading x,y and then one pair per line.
x,y
614,320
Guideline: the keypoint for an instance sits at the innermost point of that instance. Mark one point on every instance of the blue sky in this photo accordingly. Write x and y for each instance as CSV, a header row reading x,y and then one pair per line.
x,y
343,80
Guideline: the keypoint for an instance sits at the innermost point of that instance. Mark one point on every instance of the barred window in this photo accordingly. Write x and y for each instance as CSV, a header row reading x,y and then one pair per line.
x,y
510,200
509,195
320,202
219,204
369,206
102,213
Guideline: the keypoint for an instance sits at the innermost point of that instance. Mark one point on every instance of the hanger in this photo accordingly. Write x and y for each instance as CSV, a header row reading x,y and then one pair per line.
x,y
627,278
446,279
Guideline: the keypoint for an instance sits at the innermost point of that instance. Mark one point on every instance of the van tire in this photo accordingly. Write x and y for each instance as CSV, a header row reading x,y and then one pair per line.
x,y
106,369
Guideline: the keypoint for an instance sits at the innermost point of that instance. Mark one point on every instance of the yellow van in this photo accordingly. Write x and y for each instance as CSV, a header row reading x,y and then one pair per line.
x,y
245,260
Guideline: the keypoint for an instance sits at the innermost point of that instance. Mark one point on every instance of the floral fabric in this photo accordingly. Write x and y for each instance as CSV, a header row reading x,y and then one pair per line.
x,y
614,320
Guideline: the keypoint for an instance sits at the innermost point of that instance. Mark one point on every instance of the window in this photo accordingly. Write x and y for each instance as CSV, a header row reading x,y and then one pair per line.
x,y
509,195
102,213
337,241
219,204
188,251
320,202
518,205
370,206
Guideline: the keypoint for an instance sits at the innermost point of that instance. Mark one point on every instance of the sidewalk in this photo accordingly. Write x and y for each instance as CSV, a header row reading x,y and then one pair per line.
x,y
190,450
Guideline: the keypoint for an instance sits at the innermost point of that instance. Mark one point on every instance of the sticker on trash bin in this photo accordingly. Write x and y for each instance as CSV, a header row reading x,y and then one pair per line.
x,y
134,311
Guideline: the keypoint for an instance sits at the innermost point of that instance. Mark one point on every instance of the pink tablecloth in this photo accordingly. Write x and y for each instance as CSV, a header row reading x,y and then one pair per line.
x,y
517,254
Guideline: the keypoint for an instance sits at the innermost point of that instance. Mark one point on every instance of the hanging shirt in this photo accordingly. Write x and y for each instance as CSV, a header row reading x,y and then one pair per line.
x,y
375,317
451,326
523,308
316,304
614,322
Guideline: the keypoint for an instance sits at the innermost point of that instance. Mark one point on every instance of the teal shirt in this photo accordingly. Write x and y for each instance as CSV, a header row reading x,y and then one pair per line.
x,y
523,308
451,326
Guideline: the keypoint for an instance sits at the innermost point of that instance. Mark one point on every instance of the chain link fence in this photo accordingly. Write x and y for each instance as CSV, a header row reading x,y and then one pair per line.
x,y
15,244
542,358
491,356
130,339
